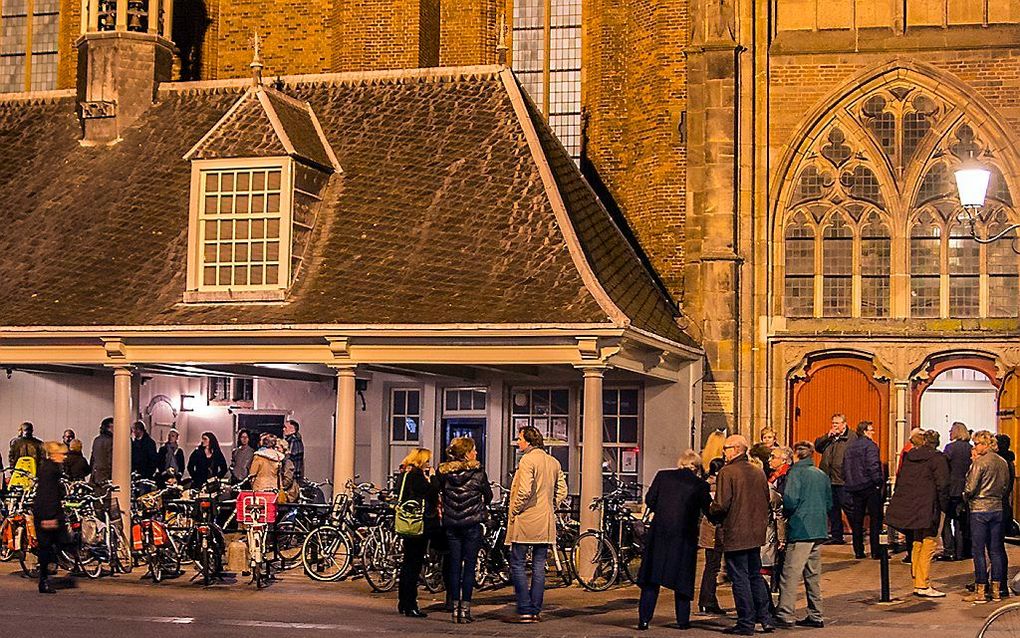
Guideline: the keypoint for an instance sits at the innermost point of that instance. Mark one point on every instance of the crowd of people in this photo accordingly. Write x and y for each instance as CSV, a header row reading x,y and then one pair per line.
x,y
763,512
272,464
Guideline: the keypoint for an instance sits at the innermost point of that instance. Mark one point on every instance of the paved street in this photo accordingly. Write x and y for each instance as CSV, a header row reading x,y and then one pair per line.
x,y
296,606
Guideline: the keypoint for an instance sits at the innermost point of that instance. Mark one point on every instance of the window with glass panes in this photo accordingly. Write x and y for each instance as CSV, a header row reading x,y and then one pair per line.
x,y
837,267
405,415
547,409
1002,269
876,260
547,59
28,45
964,273
242,234
621,433
464,400
799,293
925,266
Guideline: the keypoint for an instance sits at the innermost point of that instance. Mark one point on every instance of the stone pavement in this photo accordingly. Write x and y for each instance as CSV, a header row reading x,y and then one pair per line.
x,y
295,606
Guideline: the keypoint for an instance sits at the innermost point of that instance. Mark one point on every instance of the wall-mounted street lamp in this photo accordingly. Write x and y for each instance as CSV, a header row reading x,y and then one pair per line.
x,y
972,179
187,403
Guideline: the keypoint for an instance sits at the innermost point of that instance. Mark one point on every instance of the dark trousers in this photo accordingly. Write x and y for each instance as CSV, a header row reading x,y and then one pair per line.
x,y
464,543
46,551
529,595
986,536
410,569
650,595
1007,519
866,502
836,513
956,530
709,579
750,593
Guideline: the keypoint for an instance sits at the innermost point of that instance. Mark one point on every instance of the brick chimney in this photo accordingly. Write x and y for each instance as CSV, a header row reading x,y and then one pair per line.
x,y
124,52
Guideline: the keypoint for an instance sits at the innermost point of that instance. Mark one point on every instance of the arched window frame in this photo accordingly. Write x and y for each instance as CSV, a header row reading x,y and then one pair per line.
x,y
901,176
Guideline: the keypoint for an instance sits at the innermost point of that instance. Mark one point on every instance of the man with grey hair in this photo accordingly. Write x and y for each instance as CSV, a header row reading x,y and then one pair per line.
x,y
832,446
806,504
741,508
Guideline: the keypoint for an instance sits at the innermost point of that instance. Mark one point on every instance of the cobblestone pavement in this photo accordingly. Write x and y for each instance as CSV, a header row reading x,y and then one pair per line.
x,y
130,606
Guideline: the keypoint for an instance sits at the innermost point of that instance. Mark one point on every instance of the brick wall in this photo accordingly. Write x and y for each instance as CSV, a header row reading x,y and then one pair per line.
x,y
468,32
297,41
376,34
67,54
634,92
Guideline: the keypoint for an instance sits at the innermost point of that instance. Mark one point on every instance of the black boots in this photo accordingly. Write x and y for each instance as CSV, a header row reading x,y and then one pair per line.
x,y
461,612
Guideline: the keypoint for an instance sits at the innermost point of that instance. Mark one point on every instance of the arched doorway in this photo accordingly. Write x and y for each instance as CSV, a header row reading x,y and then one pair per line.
x,y
838,383
934,370
959,394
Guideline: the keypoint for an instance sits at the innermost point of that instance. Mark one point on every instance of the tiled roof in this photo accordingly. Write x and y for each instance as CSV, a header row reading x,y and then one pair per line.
x,y
439,217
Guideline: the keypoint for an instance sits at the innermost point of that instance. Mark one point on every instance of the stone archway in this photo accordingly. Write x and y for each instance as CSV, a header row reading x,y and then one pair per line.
x,y
936,364
830,382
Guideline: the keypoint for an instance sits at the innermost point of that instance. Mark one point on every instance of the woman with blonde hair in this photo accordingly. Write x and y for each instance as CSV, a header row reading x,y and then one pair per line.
x,y
713,448
417,484
677,498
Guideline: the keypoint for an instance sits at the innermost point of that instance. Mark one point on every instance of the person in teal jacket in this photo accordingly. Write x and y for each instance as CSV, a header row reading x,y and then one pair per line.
x,y
806,504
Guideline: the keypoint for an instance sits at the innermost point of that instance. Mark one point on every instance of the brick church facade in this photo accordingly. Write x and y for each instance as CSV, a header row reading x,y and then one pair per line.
x,y
785,165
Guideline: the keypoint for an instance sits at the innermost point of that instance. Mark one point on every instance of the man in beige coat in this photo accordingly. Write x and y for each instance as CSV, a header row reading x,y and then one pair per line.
x,y
538,488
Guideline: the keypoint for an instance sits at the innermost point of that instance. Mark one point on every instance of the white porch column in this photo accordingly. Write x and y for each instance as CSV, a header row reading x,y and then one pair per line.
x,y
122,439
902,432
343,437
591,446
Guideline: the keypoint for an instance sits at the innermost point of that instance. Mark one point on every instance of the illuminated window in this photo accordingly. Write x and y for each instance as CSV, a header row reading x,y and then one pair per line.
x,y
240,222
964,274
28,45
547,60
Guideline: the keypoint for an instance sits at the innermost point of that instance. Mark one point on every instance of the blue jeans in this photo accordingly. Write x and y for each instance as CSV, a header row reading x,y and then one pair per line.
x,y
750,593
986,534
463,546
529,597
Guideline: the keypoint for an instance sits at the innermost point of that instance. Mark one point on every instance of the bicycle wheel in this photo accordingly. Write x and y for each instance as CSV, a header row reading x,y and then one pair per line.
x,y
27,558
290,537
482,569
630,562
381,563
1002,623
154,562
432,572
595,562
121,560
563,566
326,554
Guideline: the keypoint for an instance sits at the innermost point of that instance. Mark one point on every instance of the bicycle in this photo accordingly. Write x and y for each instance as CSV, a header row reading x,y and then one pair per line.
x,y
615,548
151,539
257,510
327,551
18,531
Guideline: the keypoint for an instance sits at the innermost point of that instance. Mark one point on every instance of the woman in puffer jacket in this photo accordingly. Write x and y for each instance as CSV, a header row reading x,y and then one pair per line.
x,y
465,493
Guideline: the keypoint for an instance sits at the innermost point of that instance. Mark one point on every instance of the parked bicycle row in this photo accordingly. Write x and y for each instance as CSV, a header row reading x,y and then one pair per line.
x,y
222,527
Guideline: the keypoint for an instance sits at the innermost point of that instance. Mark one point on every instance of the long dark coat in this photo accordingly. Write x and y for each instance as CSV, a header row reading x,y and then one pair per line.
x,y
922,491
678,498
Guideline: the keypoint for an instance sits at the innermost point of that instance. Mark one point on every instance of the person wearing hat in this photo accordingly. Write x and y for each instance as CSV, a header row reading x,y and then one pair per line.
x,y
47,511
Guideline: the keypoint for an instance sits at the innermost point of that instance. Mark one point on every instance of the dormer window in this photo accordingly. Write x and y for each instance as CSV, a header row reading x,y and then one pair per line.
x,y
244,217
254,197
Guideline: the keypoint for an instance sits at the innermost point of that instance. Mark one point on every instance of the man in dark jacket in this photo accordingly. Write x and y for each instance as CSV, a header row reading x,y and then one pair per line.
x,y
806,504
101,460
922,494
956,530
1002,443
863,480
26,445
144,460
292,432
832,447
741,508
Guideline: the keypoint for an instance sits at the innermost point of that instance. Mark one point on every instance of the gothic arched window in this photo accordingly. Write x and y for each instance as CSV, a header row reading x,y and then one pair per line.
x,y
875,182
799,293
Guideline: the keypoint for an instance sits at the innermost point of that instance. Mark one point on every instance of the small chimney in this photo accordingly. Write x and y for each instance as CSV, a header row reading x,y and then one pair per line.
x,y
123,55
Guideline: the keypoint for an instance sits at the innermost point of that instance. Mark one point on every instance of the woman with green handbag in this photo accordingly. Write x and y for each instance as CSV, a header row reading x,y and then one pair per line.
x,y
417,520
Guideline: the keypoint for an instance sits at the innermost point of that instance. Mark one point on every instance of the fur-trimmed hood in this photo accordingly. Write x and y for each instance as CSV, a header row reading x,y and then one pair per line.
x,y
458,466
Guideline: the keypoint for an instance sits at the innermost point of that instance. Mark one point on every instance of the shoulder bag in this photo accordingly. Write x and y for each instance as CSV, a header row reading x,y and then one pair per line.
x,y
410,514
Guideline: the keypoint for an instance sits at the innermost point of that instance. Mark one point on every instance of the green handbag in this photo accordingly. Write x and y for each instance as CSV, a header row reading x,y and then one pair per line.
x,y
410,515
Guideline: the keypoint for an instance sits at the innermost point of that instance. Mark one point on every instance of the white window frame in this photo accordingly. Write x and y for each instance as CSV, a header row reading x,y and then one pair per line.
x,y
196,290
390,414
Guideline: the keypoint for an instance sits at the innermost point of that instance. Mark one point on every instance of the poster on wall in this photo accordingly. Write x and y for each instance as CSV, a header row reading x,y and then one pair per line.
x,y
542,423
628,462
520,422
559,428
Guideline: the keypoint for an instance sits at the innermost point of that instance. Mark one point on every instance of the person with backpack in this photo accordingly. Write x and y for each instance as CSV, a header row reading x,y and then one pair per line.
x,y
417,484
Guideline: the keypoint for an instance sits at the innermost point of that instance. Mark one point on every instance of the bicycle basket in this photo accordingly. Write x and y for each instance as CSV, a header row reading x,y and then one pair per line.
x,y
151,502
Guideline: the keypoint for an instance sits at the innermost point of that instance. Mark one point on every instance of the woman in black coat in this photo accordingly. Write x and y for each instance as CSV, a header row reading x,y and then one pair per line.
x,y
206,462
47,511
465,490
677,498
418,484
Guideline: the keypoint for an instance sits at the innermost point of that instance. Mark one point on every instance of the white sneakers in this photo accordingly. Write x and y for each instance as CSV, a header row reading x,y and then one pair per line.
x,y
929,592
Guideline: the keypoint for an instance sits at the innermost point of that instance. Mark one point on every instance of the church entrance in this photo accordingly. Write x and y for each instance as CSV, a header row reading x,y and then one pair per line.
x,y
959,394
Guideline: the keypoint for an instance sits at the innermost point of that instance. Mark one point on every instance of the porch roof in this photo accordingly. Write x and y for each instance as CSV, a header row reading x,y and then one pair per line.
x,y
456,206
